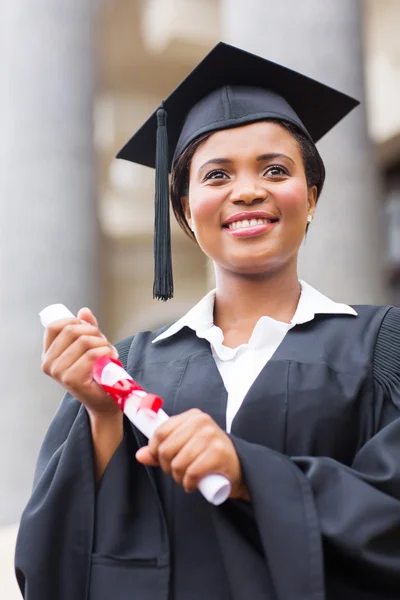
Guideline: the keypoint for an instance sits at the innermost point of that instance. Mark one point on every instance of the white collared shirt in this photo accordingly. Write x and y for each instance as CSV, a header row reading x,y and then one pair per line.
x,y
239,367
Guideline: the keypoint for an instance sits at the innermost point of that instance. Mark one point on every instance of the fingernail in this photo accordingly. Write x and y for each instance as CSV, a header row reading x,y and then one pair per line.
x,y
116,351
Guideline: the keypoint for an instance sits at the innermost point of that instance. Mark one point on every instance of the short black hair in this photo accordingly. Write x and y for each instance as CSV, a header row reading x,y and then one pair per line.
x,y
313,166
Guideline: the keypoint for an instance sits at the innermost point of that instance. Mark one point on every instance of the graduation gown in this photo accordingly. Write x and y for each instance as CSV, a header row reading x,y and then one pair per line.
x,y
318,437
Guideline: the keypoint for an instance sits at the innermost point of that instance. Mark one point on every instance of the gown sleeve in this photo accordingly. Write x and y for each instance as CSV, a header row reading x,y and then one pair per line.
x,y
314,510
55,537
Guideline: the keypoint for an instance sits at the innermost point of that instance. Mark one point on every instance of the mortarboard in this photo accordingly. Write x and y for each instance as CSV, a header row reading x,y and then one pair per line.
x,y
228,88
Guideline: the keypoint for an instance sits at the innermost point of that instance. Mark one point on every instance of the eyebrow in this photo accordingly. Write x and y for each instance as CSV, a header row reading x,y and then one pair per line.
x,y
261,158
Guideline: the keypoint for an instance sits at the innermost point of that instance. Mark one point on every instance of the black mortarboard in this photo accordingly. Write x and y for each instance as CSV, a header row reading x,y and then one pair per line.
x,y
228,88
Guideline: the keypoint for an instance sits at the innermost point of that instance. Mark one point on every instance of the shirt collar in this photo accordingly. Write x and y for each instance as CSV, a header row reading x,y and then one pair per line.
x,y
200,318
312,303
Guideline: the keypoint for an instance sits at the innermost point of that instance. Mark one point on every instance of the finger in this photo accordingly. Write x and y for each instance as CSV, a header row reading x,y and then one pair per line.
x,y
173,445
206,463
193,418
69,334
85,314
145,457
187,434
54,329
83,345
79,375
186,456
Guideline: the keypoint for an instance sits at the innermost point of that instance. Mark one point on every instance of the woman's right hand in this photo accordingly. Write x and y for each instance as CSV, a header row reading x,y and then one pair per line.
x,y
70,348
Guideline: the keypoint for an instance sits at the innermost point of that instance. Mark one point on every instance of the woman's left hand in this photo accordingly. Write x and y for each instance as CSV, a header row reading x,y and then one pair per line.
x,y
190,446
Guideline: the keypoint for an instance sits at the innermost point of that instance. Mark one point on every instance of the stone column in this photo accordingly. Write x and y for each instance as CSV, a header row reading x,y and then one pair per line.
x,y
48,229
342,254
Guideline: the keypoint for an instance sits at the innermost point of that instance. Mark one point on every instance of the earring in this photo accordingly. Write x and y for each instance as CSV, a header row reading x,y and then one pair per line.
x,y
309,218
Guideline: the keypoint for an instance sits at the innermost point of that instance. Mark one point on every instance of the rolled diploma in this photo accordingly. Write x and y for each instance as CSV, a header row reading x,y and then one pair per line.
x,y
215,488
53,313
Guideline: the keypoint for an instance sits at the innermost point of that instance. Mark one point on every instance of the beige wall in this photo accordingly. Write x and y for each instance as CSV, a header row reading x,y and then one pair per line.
x,y
383,67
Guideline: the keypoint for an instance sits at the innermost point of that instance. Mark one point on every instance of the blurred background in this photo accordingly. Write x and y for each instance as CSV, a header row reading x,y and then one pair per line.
x,y
76,80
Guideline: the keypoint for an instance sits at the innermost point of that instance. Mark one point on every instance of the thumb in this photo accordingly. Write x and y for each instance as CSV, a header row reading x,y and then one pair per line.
x,y
144,456
86,315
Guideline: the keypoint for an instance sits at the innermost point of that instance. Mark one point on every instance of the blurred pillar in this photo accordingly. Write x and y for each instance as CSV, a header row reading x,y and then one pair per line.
x,y
342,254
48,230
180,29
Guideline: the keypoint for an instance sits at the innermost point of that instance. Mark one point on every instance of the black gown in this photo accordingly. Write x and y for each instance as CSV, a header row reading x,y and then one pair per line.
x,y
318,437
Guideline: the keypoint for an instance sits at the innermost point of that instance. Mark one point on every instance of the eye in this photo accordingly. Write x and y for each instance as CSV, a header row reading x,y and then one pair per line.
x,y
217,174
276,171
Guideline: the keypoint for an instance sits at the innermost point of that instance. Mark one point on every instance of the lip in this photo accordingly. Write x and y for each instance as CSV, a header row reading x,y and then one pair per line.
x,y
247,232
253,214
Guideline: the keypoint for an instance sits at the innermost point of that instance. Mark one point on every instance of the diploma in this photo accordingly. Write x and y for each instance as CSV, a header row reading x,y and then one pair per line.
x,y
140,407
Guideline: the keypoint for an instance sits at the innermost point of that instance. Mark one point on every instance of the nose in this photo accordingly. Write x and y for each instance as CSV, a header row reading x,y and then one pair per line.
x,y
248,192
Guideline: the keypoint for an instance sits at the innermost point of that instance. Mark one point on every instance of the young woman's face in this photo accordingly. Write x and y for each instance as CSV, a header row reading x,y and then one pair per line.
x,y
248,198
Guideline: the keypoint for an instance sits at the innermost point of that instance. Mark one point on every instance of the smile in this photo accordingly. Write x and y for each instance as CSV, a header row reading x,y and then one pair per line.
x,y
248,223
248,228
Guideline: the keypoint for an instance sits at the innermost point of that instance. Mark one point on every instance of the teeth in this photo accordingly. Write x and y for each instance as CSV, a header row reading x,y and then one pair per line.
x,y
248,223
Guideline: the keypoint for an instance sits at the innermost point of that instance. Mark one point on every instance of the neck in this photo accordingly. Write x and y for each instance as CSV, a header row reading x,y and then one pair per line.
x,y
241,301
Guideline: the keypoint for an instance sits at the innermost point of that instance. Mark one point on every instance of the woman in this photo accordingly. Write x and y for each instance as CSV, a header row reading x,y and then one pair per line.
x,y
291,396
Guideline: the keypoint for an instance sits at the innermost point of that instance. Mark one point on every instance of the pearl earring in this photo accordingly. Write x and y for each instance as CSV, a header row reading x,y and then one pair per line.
x,y
309,218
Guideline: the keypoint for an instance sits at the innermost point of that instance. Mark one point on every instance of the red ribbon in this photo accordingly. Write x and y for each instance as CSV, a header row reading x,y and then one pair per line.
x,y
123,389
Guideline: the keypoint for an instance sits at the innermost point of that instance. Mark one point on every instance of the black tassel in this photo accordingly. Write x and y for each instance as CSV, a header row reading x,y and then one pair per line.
x,y
163,288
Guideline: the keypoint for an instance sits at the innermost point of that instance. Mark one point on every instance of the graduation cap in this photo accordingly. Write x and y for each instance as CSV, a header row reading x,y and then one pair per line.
x,y
228,88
